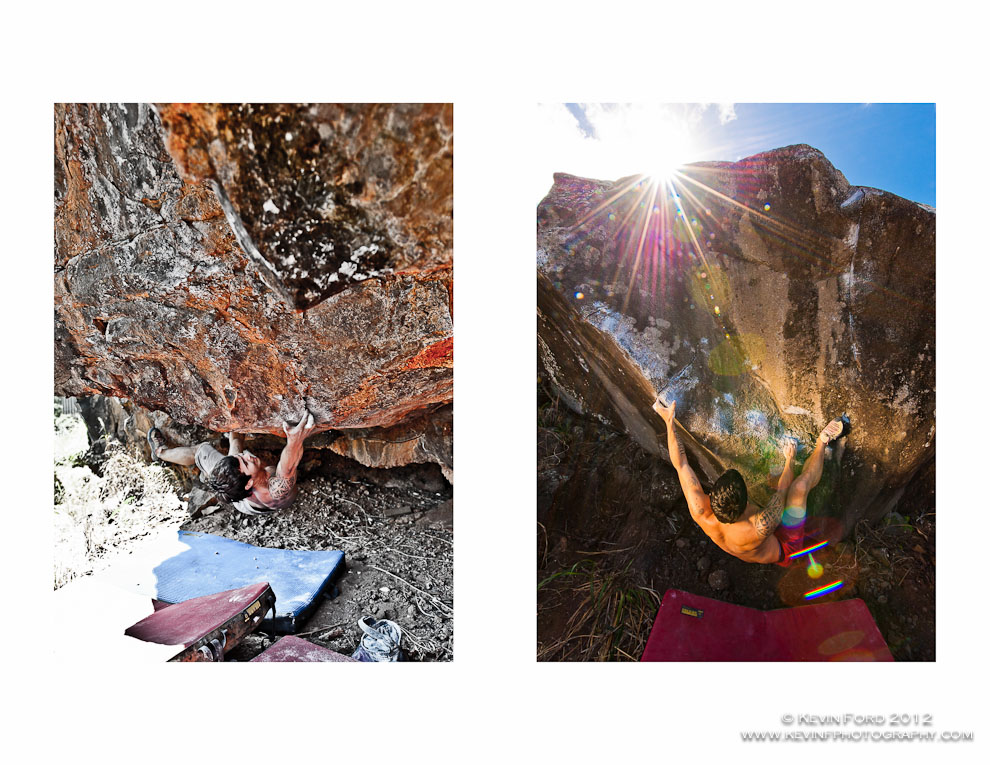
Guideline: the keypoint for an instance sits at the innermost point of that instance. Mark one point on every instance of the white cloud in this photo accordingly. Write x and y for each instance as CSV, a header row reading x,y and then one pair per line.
x,y
628,139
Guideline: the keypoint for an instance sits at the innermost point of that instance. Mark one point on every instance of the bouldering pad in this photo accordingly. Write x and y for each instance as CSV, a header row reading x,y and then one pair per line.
x,y
291,648
209,625
203,564
694,628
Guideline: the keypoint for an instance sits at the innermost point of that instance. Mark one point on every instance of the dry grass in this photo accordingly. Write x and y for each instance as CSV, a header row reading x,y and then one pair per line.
x,y
612,617
99,515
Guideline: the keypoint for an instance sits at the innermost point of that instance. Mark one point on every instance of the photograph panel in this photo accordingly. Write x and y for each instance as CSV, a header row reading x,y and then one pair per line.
x,y
736,382
254,379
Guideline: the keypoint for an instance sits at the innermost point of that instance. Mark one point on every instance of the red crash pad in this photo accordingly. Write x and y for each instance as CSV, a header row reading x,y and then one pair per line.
x,y
291,648
204,628
692,628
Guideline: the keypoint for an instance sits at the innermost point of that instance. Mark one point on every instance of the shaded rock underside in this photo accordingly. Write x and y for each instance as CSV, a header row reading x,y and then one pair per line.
x,y
177,286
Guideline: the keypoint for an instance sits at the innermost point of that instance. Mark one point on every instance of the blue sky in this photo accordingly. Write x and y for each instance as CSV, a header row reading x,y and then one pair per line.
x,y
887,146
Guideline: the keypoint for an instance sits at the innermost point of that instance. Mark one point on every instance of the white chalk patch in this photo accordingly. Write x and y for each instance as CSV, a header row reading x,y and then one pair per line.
x,y
852,237
853,198
269,206
791,409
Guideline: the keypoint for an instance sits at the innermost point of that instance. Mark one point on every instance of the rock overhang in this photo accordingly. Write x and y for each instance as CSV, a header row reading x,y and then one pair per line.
x,y
755,291
158,301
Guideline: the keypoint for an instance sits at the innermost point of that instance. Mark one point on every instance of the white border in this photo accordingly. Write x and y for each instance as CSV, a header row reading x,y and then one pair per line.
x,y
494,62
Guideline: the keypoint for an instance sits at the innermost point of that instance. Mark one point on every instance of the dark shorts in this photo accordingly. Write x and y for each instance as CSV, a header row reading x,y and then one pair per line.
x,y
791,540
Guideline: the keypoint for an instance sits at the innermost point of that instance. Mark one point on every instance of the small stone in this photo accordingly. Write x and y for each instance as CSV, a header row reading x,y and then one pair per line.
x,y
411,611
384,590
704,563
681,543
395,512
718,580
881,555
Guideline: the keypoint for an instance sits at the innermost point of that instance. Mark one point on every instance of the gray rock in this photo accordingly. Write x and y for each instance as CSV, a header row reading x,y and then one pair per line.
x,y
201,502
718,580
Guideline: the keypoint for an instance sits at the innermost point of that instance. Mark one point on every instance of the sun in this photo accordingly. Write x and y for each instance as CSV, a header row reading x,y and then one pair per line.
x,y
665,160
657,145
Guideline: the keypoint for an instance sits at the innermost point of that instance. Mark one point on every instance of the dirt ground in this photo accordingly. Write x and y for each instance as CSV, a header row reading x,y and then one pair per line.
x,y
398,549
395,528
614,534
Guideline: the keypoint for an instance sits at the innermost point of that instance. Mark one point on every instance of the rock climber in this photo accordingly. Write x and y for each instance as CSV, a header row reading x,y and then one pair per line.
x,y
741,528
240,478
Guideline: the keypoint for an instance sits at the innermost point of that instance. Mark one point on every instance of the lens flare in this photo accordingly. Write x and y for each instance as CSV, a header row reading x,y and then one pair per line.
x,y
579,295
823,590
793,516
815,569
807,550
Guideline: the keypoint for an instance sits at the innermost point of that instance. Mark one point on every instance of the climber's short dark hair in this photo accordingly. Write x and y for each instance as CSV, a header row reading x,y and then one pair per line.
x,y
228,481
729,496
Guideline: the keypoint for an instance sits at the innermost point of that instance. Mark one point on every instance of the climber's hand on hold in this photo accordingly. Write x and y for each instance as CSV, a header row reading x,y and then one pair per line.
x,y
300,430
666,412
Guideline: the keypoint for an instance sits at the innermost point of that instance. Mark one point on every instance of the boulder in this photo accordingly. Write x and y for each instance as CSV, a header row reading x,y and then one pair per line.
x,y
765,297
229,267
422,439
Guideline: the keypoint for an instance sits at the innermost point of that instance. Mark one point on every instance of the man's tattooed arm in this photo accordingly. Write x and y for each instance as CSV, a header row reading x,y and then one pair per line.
x,y
280,487
678,457
282,484
690,484
766,521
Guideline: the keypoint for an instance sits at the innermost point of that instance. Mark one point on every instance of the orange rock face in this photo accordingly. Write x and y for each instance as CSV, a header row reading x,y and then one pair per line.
x,y
234,266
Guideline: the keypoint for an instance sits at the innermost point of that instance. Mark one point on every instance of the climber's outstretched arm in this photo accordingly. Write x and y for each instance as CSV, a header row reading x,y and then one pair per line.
x,y
690,484
283,482
236,444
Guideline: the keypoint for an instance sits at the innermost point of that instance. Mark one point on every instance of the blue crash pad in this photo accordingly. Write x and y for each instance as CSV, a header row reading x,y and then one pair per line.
x,y
213,564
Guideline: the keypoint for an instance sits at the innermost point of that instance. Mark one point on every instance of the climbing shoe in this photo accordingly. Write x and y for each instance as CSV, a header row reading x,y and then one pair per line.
x,y
836,429
156,441
380,641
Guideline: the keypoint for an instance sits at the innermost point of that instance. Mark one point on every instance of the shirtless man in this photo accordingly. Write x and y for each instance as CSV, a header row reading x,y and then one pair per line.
x,y
741,528
240,478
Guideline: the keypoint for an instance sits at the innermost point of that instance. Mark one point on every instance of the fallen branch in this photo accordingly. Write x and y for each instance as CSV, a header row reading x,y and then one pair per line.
x,y
434,536
366,518
321,629
431,598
